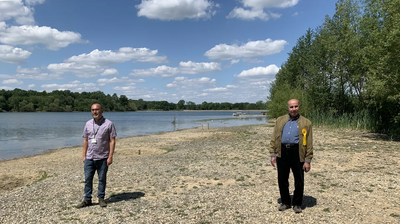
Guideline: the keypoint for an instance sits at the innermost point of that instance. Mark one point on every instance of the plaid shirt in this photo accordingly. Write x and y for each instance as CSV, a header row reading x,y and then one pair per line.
x,y
102,131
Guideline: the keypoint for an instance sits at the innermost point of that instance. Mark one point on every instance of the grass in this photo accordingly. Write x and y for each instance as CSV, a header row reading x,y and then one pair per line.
x,y
43,177
360,120
169,150
240,179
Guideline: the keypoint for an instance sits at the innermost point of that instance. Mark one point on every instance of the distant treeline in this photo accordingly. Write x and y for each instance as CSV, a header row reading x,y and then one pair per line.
x,y
18,100
346,72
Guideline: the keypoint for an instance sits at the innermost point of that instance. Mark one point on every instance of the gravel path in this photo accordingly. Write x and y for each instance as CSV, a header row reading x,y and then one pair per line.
x,y
221,175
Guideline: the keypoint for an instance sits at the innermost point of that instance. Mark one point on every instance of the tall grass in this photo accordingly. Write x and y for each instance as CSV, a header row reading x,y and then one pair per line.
x,y
361,120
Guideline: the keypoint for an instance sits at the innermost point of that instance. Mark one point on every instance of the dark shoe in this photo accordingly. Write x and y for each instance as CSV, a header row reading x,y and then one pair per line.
x,y
283,207
84,204
297,209
102,202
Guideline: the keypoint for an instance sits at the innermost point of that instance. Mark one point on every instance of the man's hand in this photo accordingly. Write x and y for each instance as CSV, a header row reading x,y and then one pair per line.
x,y
84,158
109,161
307,167
273,161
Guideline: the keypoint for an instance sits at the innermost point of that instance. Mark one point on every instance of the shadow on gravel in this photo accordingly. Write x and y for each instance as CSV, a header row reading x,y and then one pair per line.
x,y
308,201
125,197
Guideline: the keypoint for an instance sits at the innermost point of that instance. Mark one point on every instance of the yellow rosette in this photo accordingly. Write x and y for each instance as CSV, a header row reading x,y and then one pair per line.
x,y
305,136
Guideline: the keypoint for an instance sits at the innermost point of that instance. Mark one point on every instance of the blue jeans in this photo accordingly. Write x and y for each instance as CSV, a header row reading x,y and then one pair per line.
x,y
90,167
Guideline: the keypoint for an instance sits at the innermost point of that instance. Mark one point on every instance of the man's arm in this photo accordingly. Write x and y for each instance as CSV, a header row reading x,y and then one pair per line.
x,y
85,148
112,148
272,149
309,152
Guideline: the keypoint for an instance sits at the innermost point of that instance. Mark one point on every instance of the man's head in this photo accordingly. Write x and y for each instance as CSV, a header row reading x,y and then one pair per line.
x,y
293,107
97,111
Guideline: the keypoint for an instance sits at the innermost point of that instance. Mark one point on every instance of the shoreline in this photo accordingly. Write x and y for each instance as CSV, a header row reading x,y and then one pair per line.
x,y
125,111
18,146
216,175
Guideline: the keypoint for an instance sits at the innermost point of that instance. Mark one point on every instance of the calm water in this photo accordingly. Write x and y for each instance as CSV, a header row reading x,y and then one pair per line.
x,y
24,134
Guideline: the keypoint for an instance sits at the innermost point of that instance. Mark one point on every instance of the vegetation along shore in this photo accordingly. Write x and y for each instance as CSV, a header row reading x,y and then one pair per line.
x,y
216,175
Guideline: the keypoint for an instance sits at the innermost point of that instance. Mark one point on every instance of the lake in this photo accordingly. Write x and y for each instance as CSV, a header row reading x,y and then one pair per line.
x,y
25,134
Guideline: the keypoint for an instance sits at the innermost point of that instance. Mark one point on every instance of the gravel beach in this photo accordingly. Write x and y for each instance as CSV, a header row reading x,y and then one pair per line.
x,y
216,175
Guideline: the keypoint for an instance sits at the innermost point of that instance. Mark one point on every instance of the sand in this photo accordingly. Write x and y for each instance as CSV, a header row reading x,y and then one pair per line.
x,y
216,175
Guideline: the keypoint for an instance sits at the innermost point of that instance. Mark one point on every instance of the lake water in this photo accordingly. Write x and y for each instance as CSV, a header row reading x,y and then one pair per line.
x,y
24,134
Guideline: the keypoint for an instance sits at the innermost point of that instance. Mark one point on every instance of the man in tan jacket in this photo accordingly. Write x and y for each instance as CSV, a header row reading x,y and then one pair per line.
x,y
291,148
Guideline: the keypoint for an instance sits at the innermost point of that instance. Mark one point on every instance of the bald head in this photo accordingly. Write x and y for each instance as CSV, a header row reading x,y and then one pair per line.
x,y
293,107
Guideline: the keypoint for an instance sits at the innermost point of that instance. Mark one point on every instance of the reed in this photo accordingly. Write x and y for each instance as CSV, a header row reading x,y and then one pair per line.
x,y
360,120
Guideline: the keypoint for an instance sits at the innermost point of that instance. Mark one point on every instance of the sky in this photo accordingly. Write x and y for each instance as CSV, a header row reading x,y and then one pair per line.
x,y
192,50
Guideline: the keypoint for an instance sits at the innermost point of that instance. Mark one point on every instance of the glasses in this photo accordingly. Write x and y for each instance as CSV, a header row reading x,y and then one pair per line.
x,y
95,109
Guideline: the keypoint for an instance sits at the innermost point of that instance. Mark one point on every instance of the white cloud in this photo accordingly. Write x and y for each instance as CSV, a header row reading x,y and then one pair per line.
x,y
252,84
15,9
253,60
7,87
34,2
42,76
125,88
176,9
234,61
231,86
193,68
252,14
14,55
248,14
190,84
134,92
258,72
126,80
90,70
295,14
12,81
251,49
216,89
257,7
29,35
160,71
189,67
110,71
97,62
249,84
261,83
28,70
221,89
74,86
269,3
31,86
124,54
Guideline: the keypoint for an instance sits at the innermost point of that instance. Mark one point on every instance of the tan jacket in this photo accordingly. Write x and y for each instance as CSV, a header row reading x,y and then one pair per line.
x,y
305,151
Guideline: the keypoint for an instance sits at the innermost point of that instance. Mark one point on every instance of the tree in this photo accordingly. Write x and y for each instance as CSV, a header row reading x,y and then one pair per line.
x,y
180,105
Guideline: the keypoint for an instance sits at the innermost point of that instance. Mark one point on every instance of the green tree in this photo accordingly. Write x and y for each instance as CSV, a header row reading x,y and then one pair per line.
x,y
180,105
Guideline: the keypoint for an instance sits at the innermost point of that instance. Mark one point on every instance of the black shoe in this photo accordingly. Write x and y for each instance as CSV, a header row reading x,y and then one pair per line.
x,y
283,207
297,209
102,202
84,204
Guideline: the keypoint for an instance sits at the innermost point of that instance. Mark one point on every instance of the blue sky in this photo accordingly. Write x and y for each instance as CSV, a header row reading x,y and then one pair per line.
x,y
195,50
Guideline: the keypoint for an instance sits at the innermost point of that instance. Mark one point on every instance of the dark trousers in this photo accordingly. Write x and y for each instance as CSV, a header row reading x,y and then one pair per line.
x,y
290,160
90,167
